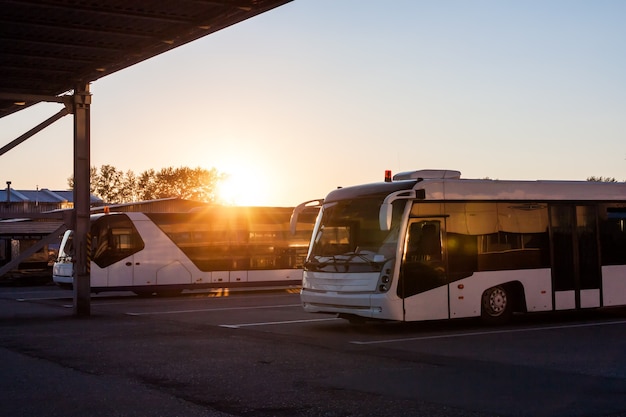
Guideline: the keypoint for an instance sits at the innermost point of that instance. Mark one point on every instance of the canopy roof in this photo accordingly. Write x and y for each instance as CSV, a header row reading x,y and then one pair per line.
x,y
48,47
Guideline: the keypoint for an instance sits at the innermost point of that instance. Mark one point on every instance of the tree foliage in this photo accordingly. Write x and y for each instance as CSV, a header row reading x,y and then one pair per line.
x,y
601,179
115,186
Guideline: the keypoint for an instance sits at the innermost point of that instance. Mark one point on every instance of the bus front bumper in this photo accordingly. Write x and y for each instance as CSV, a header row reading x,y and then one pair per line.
x,y
365,305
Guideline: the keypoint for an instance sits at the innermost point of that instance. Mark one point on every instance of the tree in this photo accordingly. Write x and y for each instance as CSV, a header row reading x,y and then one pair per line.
x,y
147,188
109,184
93,176
129,191
114,186
193,184
602,179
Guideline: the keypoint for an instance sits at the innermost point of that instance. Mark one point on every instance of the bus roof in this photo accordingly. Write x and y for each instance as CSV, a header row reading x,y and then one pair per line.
x,y
467,189
381,189
447,185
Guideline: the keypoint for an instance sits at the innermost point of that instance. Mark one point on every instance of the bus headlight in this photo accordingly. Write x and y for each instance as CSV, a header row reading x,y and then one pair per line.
x,y
384,281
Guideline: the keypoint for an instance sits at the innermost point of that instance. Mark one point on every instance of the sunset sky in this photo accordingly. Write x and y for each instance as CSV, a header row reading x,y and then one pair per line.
x,y
318,94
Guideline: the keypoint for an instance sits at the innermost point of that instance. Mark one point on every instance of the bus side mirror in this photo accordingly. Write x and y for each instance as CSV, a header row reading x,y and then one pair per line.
x,y
384,216
293,221
386,208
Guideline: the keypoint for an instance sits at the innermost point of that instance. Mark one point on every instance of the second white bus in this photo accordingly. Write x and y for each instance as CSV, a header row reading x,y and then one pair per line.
x,y
169,252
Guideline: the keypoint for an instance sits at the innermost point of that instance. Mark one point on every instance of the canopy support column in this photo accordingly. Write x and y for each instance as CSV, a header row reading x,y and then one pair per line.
x,y
82,278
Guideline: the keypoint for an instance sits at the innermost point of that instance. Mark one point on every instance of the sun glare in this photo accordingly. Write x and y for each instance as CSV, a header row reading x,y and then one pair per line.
x,y
243,188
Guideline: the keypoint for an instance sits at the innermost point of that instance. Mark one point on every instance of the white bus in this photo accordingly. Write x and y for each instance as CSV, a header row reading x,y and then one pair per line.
x,y
169,252
428,245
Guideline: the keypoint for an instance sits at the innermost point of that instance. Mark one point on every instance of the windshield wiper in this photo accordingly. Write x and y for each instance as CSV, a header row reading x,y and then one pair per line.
x,y
352,255
342,262
315,263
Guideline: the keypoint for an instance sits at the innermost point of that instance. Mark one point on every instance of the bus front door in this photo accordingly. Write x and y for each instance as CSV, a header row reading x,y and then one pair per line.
x,y
423,281
115,246
576,272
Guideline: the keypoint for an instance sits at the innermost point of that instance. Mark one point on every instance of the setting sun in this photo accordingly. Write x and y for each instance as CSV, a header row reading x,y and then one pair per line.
x,y
243,187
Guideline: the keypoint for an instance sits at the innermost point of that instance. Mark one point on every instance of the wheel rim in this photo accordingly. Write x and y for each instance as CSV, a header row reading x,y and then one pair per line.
x,y
495,301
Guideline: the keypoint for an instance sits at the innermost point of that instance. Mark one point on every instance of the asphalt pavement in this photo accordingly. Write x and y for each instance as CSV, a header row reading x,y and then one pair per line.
x,y
39,378
114,363
110,364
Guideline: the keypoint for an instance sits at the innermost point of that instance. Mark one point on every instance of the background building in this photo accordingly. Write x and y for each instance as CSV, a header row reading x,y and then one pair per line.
x,y
19,234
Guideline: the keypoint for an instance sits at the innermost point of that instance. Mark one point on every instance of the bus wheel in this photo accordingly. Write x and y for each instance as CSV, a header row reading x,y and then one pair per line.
x,y
496,305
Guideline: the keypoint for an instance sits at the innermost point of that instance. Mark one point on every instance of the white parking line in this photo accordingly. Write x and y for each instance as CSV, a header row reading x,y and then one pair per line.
x,y
271,323
448,336
155,313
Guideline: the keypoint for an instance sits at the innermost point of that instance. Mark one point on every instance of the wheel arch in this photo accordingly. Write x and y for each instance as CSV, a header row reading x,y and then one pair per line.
x,y
516,291
508,297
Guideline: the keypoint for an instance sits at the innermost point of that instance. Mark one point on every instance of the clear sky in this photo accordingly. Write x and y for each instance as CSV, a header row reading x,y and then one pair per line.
x,y
324,93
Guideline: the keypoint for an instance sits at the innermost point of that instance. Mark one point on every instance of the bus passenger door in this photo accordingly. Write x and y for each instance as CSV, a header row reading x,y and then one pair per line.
x,y
122,249
576,272
423,280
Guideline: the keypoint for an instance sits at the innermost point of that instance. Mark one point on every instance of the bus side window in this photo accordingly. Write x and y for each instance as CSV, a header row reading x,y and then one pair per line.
x,y
424,242
115,241
99,243
121,240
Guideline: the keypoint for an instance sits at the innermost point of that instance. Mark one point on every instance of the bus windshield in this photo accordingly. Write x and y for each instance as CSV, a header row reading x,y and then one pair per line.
x,y
349,239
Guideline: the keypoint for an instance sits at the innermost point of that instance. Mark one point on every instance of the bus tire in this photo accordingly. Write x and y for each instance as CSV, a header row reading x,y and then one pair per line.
x,y
496,305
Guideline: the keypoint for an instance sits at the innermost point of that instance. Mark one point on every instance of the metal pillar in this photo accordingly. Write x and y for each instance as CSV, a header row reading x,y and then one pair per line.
x,y
82,279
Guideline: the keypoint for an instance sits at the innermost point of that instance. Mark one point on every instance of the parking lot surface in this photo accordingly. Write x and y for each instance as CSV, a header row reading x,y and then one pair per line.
x,y
257,353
